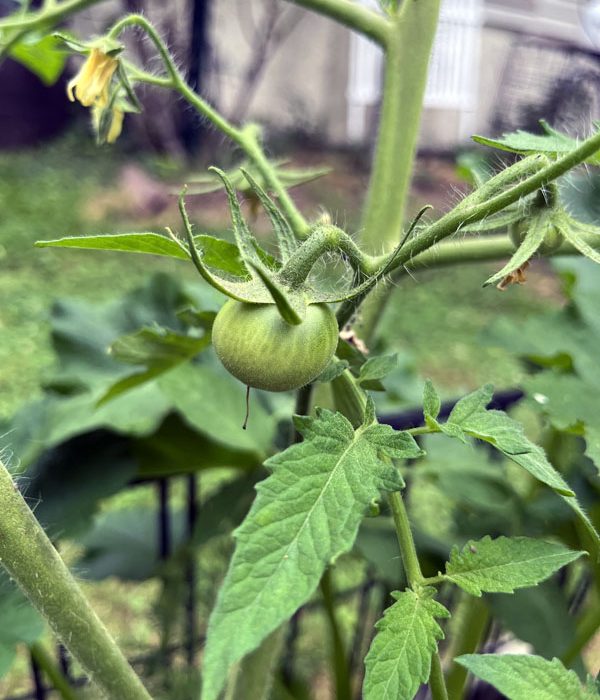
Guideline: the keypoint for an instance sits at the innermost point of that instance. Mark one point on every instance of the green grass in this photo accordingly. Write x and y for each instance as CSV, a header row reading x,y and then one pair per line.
x,y
45,194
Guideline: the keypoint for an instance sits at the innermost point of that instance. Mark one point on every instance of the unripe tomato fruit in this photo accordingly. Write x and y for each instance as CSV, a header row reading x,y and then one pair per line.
x,y
553,238
263,351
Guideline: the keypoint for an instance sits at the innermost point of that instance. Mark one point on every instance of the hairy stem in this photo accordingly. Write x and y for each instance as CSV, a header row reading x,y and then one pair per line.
x,y
352,15
33,562
247,138
339,656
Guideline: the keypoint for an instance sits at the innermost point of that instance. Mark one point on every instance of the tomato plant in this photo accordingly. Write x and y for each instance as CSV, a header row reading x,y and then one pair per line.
x,y
279,330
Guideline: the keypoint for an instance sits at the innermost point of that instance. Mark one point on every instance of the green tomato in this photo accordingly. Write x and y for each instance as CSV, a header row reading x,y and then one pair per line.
x,y
263,351
553,238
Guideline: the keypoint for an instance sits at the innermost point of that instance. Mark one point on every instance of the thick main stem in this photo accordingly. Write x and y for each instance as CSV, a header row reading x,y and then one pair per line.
x,y
472,619
409,44
33,562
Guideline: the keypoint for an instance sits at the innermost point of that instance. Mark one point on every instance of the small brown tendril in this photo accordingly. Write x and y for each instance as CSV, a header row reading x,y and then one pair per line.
x,y
247,408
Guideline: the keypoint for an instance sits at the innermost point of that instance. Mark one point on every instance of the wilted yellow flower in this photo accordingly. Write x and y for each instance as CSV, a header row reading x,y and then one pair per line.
x,y
108,122
90,85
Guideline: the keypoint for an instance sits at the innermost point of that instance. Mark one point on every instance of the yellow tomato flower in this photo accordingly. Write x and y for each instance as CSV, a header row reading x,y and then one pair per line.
x,y
90,85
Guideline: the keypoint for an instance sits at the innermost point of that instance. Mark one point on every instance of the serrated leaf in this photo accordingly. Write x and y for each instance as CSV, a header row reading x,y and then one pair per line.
x,y
399,659
377,368
306,514
552,143
469,418
526,677
431,401
532,241
504,564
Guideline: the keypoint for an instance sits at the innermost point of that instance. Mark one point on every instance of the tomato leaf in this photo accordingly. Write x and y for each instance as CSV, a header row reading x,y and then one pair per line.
x,y
503,564
319,489
376,368
469,418
41,56
159,349
553,143
526,677
399,659
431,401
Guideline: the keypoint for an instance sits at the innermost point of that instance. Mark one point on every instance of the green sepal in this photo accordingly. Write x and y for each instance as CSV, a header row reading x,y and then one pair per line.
x,y
247,244
285,236
575,232
288,308
538,225
493,223
251,291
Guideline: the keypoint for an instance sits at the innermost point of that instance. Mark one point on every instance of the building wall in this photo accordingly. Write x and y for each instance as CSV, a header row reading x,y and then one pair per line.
x,y
304,85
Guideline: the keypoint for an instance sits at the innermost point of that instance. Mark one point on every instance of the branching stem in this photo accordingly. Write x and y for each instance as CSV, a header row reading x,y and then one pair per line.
x,y
247,137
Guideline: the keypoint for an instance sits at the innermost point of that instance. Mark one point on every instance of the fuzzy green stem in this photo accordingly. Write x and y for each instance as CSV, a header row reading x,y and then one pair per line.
x,y
464,213
405,540
437,684
33,562
472,618
323,239
338,652
585,631
349,398
352,15
46,663
247,137
408,49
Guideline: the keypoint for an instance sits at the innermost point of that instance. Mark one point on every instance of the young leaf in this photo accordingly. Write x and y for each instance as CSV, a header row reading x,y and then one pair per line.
x,y
399,659
552,143
334,369
40,56
527,677
306,514
376,368
431,401
506,563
